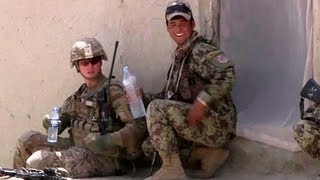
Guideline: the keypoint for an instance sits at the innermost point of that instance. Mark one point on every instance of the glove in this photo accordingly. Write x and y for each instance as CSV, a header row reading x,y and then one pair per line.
x,y
101,143
46,123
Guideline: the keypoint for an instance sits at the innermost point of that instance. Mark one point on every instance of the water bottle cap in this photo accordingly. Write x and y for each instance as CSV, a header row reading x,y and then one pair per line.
x,y
54,114
54,122
125,68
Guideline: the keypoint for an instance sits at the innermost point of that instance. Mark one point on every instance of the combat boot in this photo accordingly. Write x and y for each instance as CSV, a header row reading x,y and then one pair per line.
x,y
210,159
171,168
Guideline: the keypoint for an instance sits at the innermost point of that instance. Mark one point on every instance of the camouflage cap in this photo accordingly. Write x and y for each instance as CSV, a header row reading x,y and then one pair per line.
x,y
86,48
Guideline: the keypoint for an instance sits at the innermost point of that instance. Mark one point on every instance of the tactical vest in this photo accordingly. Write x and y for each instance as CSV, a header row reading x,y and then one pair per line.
x,y
85,117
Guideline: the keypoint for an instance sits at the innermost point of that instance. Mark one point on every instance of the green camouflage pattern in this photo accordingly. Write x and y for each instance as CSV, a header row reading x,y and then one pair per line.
x,y
79,114
86,48
148,97
207,74
185,148
307,135
307,131
166,119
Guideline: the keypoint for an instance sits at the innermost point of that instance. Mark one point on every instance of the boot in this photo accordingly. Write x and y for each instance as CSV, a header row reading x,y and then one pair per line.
x,y
210,159
170,169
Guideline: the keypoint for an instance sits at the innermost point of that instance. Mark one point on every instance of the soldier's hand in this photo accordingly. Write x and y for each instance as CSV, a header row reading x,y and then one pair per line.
x,y
196,113
98,143
139,92
46,122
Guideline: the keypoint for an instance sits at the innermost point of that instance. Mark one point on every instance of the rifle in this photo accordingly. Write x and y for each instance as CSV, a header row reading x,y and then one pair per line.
x,y
33,174
153,162
105,122
311,91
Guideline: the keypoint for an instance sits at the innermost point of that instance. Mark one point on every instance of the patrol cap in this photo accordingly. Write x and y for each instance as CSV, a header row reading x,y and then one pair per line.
x,y
178,8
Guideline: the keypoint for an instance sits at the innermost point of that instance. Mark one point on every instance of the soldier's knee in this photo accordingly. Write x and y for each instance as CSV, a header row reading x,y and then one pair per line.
x,y
41,159
299,125
36,159
151,111
153,105
303,126
27,137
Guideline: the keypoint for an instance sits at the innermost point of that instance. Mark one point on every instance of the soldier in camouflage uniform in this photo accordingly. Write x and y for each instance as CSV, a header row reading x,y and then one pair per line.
x,y
307,131
196,104
86,153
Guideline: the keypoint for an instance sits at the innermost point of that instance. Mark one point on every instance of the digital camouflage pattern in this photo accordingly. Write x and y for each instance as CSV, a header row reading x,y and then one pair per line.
x,y
79,162
185,147
86,48
207,74
166,119
307,131
79,113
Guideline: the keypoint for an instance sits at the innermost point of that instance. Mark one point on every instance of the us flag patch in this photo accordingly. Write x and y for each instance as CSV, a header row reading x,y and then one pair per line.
x,y
222,59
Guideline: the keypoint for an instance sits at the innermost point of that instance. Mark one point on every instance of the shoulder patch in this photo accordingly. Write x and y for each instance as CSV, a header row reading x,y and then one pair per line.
x,y
221,58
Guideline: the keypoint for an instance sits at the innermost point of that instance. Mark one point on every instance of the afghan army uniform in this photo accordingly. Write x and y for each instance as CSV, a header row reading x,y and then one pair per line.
x,y
199,71
307,131
80,113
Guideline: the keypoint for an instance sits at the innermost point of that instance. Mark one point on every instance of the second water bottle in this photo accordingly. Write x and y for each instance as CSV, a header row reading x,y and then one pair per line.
x,y
136,103
54,125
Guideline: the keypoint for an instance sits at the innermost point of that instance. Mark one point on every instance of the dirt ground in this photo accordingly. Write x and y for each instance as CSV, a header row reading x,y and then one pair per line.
x,y
251,160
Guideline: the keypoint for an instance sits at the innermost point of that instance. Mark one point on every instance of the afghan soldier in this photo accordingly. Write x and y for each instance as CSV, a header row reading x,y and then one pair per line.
x,y
87,152
197,104
307,133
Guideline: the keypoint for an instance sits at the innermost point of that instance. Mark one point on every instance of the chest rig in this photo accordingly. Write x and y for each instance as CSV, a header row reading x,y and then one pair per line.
x,y
92,113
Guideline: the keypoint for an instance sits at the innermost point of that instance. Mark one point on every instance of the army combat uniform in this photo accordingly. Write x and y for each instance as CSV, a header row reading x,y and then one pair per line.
x,y
80,114
307,131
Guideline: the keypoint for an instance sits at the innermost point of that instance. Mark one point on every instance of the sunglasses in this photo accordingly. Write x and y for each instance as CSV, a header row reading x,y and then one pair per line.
x,y
87,62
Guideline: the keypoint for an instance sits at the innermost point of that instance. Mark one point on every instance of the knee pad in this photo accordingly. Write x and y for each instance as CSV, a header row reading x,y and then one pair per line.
x,y
26,136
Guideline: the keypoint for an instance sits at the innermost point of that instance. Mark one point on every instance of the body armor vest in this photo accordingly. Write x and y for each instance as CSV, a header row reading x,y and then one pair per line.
x,y
85,115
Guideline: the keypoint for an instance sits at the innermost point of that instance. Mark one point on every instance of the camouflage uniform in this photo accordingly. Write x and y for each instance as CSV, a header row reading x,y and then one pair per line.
x,y
307,131
80,113
206,74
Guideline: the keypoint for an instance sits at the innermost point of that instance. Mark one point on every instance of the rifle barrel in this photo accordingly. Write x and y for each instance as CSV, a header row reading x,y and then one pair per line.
x,y
113,60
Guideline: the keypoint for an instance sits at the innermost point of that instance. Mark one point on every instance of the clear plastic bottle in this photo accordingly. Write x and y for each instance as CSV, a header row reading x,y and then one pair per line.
x,y
53,129
136,103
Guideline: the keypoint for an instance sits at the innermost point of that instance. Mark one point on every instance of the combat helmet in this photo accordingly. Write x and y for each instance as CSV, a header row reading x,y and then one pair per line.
x,y
86,48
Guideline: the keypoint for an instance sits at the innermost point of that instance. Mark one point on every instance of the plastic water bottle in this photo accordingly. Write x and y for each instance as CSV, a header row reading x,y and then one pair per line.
x,y
53,129
136,103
